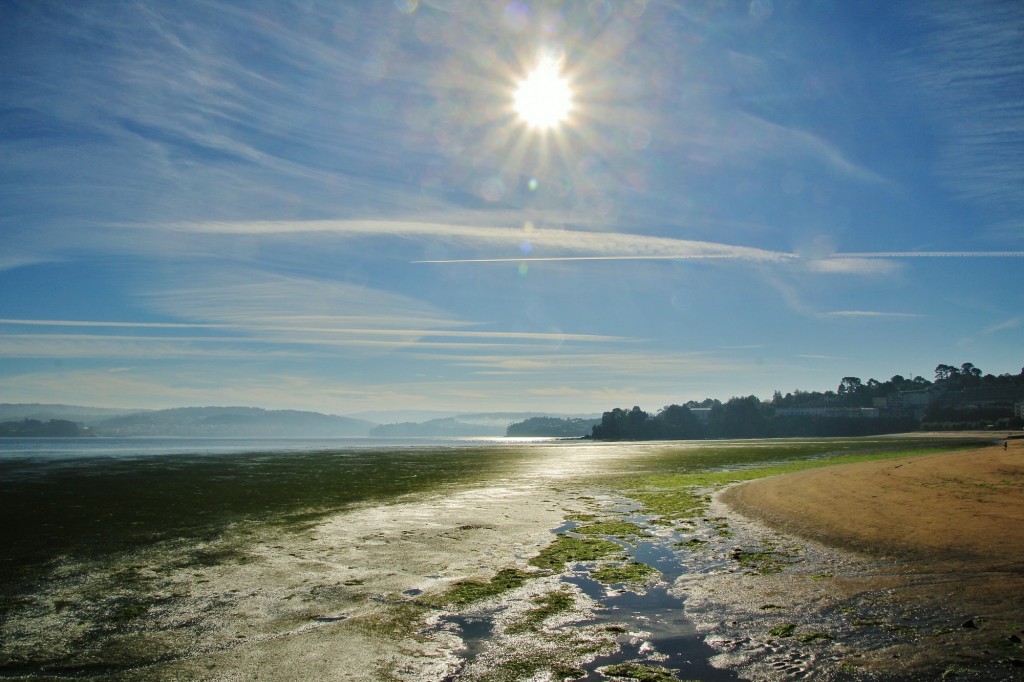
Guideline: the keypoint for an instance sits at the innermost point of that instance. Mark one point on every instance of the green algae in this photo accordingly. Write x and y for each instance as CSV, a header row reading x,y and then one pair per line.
x,y
525,668
105,507
693,544
567,549
672,504
783,630
396,621
640,672
468,591
548,605
768,561
128,611
631,573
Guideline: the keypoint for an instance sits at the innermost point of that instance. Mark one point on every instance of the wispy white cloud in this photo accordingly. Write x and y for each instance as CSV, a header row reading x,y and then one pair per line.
x,y
283,342
887,262
12,261
639,362
245,298
82,346
852,266
248,314
186,386
535,243
1012,323
930,254
871,314
789,141
719,131
528,242
966,71
330,326
99,323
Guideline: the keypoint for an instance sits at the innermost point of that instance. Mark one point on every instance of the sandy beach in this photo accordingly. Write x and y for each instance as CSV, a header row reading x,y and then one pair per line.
x,y
939,539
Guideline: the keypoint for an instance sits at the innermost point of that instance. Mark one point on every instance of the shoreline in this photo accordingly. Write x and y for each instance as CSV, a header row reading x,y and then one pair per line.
x,y
937,540
340,598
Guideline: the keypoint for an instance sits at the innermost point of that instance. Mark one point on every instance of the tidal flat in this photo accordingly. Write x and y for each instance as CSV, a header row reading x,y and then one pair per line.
x,y
462,563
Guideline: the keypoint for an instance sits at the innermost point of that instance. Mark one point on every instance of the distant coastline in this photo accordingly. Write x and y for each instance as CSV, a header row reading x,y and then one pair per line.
x,y
35,428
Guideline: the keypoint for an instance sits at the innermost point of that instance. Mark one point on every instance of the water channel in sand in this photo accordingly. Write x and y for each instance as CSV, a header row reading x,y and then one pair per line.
x,y
652,619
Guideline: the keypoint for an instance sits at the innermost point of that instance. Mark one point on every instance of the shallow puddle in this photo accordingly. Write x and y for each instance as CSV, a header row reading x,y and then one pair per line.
x,y
657,633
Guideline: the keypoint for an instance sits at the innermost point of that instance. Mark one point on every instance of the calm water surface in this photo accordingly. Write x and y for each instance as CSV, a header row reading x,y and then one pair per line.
x,y
141,447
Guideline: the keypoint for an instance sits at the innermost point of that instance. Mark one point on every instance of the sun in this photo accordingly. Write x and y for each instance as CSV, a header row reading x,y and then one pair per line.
x,y
543,99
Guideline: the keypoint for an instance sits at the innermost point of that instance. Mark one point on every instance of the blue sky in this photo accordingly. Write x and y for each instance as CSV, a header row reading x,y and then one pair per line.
x,y
334,206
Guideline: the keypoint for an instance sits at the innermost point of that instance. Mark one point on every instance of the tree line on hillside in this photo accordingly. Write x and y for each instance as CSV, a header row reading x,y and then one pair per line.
x,y
572,427
964,398
34,428
744,417
852,392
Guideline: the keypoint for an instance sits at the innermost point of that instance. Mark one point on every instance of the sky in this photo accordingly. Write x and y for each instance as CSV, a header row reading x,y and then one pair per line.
x,y
335,206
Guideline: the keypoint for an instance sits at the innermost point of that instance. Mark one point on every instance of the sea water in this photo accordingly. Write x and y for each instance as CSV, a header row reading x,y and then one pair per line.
x,y
156,446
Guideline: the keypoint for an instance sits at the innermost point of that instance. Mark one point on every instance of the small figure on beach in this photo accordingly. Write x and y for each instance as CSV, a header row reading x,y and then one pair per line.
x,y
1004,444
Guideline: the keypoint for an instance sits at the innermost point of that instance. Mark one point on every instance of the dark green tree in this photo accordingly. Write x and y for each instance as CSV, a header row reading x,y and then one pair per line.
x,y
622,425
739,418
677,422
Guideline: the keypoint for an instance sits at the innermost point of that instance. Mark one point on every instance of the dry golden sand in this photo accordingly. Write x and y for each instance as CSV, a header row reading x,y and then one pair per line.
x,y
947,531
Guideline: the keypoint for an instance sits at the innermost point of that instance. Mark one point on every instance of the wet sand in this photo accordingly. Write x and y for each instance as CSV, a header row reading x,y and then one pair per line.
x,y
333,601
329,603
933,545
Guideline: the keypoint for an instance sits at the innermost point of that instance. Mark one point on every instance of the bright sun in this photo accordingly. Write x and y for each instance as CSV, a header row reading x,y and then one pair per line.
x,y
544,99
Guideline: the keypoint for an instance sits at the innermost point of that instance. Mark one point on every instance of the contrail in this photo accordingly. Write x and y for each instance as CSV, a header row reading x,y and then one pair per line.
x,y
783,256
95,323
776,256
932,254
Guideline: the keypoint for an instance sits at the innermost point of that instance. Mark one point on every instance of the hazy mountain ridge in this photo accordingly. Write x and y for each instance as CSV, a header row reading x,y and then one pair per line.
x,y
196,422
435,428
74,413
255,422
462,425
233,422
426,416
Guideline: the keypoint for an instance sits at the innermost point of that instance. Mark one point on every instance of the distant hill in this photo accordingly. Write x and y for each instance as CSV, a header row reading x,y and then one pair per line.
x,y
401,416
472,424
245,422
495,419
72,413
435,428
552,426
34,428
232,422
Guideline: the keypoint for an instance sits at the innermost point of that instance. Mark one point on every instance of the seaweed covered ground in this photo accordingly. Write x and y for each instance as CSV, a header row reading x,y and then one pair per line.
x,y
570,560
